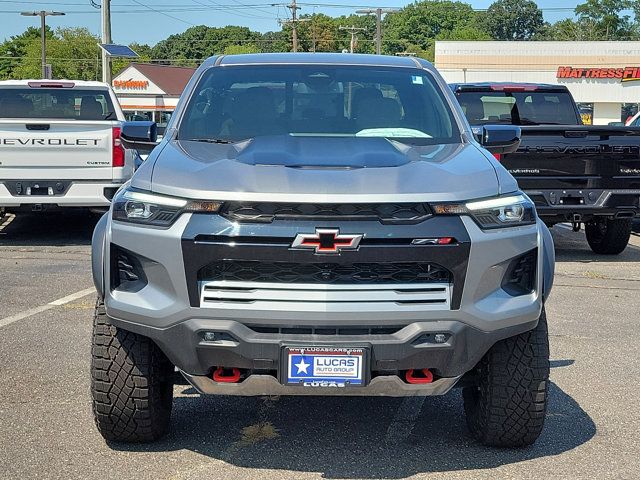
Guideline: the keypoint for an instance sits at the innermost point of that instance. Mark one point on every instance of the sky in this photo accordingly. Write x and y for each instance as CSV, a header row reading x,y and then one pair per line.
x,y
149,21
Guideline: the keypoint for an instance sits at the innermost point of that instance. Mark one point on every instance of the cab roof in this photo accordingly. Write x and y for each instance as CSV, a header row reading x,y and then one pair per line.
x,y
34,81
501,86
317,59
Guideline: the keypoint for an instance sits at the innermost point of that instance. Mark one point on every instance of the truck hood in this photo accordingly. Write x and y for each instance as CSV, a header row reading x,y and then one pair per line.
x,y
321,169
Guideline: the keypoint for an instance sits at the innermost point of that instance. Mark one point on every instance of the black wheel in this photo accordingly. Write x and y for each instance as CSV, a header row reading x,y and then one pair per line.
x,y
508,406
608,236
131,383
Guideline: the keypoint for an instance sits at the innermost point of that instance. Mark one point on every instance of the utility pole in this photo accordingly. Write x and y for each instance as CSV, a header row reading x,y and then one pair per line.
x,y
105,15
353,30
294,21
46,74
378,12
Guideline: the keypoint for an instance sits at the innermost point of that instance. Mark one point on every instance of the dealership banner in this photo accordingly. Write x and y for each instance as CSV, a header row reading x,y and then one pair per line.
x,y
626,74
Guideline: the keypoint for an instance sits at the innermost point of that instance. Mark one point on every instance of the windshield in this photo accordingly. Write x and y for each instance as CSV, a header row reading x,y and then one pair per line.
x,y
56,103
236,103
518,108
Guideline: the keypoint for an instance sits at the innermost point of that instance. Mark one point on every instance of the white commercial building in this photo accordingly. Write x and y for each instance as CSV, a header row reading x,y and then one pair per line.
x,y
603,77
150,91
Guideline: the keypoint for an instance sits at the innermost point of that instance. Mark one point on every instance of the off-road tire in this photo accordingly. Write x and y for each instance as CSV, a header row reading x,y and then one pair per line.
x,y
508,406
131,383
608,236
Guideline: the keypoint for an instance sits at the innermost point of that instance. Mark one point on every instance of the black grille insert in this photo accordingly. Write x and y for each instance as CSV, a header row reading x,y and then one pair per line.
x,y
520,278
387,213
325,273
127,273
325,330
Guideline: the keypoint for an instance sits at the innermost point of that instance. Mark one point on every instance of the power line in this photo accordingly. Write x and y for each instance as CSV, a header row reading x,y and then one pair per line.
x,y
231,7
163,13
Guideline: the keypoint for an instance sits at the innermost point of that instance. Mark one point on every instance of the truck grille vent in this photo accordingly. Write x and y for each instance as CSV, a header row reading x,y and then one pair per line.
x,y
324,298
325,330
387,213
127,273
325,273
520,278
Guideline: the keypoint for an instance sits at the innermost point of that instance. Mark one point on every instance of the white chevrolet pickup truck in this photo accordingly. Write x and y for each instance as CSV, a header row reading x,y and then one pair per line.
x,y
60,145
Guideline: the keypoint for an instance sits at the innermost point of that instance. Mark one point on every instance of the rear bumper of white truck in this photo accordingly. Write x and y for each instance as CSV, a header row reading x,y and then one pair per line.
x,y
75,194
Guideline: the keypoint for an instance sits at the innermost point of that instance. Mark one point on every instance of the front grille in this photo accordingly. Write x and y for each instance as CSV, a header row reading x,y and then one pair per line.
x,y
324,298
325,273
386,213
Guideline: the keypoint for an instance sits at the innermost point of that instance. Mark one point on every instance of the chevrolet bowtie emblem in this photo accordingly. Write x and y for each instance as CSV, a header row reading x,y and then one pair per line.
x,y
327,241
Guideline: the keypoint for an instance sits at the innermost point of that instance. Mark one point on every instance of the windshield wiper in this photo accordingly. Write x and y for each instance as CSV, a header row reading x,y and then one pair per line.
x,y
109,115
207,140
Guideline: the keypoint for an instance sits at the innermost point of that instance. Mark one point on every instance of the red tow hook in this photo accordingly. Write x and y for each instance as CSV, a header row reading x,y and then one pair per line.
x,y
427,376
219,375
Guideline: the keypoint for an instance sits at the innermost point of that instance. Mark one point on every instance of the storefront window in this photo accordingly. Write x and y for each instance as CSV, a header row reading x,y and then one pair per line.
x,y
586,112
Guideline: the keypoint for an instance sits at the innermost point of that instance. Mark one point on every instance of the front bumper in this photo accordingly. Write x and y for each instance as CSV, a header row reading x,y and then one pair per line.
x,y
258,385
410,347
167,310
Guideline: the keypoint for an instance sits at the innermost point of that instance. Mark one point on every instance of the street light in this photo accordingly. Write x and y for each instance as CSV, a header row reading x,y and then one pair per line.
x,y
43,14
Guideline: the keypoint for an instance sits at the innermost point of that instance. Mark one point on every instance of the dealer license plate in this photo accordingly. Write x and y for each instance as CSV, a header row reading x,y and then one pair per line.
x,y
325,366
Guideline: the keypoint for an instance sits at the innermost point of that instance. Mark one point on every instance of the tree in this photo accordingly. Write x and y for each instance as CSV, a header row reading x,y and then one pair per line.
x,y
197,43
237,49
513,20
72,52
275,42
416,27
14,49
317,33
570,30
607,18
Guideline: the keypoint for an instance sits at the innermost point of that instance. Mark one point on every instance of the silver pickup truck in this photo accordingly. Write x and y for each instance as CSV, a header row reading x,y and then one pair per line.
x,y
321,224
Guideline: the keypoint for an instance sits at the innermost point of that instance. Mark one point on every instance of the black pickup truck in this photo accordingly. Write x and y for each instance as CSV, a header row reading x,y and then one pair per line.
x,y
575,173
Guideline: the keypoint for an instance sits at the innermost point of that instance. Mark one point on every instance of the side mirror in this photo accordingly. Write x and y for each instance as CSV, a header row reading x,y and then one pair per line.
x,y
140,136
500,138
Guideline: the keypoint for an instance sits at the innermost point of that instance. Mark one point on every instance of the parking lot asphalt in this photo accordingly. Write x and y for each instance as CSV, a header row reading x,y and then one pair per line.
x,y
47,430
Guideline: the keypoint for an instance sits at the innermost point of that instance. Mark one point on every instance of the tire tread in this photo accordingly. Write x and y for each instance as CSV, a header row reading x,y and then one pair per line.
x,y
131,383
508,407
614,240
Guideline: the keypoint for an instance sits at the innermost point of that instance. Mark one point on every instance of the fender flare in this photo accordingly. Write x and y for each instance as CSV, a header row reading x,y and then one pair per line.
x,y
97,254
548,261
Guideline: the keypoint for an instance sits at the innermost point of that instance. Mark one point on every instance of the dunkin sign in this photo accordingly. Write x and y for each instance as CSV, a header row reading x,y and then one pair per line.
x,y
626,74
131,84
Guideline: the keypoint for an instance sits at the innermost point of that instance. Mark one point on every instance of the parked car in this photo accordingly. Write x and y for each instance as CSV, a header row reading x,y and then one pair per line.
x,y
60,145
326,225
574,173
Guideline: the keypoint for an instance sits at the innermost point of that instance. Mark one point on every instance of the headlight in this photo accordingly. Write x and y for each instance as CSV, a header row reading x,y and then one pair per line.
x,y
498,212
136,206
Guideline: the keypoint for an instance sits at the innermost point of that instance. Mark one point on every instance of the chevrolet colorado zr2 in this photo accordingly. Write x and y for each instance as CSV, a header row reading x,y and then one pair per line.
x,y
321,224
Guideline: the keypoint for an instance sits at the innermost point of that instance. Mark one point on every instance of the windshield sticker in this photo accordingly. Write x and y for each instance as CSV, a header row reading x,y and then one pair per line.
x,y
416,79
